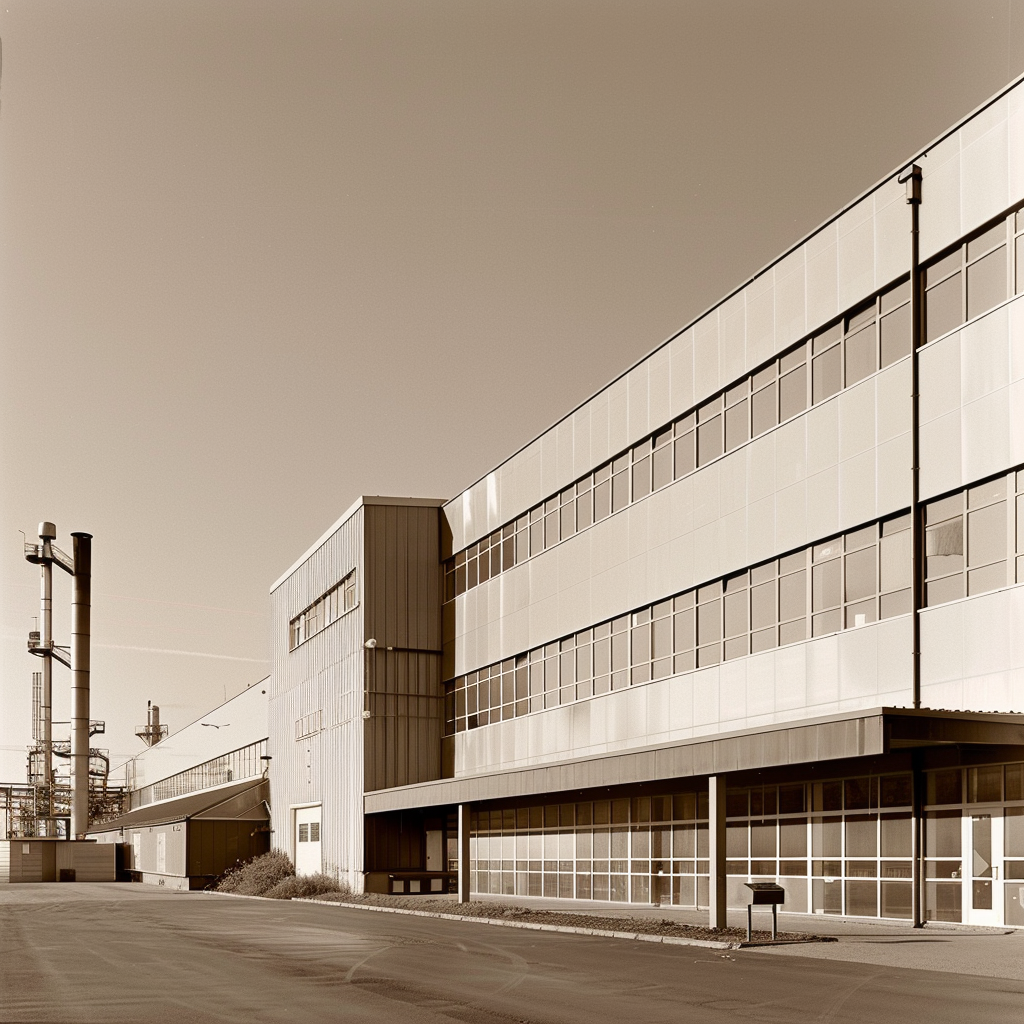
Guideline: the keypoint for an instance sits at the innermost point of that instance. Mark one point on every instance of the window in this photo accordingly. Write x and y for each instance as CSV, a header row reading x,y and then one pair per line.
x,y
336,602
966,542
968,281
868,338
843,583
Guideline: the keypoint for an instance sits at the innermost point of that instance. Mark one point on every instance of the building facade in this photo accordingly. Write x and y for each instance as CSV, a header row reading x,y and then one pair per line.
x,y
754,611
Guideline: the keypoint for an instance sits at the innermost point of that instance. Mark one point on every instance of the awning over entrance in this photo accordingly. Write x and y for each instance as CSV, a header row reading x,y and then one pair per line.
x,y
859,734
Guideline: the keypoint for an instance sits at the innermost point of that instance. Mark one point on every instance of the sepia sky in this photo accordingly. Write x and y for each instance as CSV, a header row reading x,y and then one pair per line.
x,y
258,258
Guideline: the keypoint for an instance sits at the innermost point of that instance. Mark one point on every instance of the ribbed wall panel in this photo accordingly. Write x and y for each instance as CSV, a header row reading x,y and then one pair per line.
x,y
323,674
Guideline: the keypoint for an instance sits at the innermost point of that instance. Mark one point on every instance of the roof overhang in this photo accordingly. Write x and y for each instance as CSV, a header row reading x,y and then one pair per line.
x,y
833,738
237,801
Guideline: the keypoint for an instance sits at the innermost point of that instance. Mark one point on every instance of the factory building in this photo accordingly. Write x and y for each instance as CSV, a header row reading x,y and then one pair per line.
x,y
198,801
752,612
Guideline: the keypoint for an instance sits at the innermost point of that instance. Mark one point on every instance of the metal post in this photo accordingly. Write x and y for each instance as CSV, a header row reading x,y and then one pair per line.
x,y
917,839
911,177
716,852
47,532
80,663
464,853
750,918
775,921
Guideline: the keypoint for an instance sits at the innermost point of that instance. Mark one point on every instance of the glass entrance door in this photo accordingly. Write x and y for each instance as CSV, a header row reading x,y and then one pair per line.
x,y
985,893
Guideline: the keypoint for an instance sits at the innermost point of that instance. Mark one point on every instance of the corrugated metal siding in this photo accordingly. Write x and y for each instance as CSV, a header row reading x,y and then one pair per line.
x,y
323,674
403,610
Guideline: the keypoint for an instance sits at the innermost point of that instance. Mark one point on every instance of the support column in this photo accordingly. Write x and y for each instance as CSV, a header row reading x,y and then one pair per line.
x,y
81,629
464,853
716,852
917,840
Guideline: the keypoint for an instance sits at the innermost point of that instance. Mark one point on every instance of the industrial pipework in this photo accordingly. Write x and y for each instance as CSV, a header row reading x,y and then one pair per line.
x,y
41,644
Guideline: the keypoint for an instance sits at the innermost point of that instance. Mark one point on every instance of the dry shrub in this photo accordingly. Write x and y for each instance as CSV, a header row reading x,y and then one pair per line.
x,y
257,876
305,886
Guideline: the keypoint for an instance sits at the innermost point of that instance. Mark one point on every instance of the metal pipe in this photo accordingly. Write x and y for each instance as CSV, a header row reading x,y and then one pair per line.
x,y
47,533
911,177
80,663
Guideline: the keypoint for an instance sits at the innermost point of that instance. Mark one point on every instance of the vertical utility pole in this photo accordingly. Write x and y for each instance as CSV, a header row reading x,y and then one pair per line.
x,y
81,629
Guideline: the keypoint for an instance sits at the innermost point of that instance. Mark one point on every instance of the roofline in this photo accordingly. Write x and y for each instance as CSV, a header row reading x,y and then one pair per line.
x,y
921,154
365,499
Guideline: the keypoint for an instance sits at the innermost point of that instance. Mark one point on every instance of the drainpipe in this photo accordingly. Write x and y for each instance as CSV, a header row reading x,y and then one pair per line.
x,y
911,176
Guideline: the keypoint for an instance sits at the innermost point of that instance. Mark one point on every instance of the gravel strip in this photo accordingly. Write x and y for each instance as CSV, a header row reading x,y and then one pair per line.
x,y
590,924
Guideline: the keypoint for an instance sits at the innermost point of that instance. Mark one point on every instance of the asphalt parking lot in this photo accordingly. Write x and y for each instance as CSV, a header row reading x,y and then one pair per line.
x,y
118,953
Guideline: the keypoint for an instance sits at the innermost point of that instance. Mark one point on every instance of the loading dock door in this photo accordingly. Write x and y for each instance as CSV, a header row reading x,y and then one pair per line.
x,y
307,841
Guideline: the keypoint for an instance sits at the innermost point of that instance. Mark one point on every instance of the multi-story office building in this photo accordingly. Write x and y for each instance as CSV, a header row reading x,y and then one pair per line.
x,y
754,611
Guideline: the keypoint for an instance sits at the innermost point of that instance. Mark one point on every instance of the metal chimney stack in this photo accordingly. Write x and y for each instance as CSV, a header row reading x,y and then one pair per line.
x,y
81,628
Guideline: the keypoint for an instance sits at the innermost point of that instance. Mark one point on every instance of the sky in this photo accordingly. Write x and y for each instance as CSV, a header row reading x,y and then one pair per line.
x,y
258,258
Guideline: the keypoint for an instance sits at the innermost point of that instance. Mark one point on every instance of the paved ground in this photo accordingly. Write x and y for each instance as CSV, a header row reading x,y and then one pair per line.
x,y
131,953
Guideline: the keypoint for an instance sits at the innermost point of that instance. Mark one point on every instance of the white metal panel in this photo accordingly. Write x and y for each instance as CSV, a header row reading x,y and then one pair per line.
x,y
706,351
856,254
791,298
732,325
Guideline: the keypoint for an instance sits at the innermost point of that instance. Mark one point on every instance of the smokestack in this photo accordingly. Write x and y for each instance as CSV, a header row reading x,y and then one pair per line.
x,y
81,628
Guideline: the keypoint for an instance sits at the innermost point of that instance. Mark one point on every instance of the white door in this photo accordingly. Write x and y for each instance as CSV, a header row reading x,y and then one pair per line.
x,y
435,850
307,841
984,867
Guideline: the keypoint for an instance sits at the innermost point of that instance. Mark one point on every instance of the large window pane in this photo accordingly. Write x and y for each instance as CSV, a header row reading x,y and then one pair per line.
x,y
860,574
736,614
825,591
663,466
793,393
944,547
896,569
736,427
793,596
641,478
827,374
943,308
620,491
683,629
986,283
709,622
860,355
986,535
762,605
709,440
686,460
896,330
765,415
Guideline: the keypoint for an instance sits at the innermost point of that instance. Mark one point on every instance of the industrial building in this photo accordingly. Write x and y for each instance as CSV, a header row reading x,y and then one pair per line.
x,y
754,611
198,798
